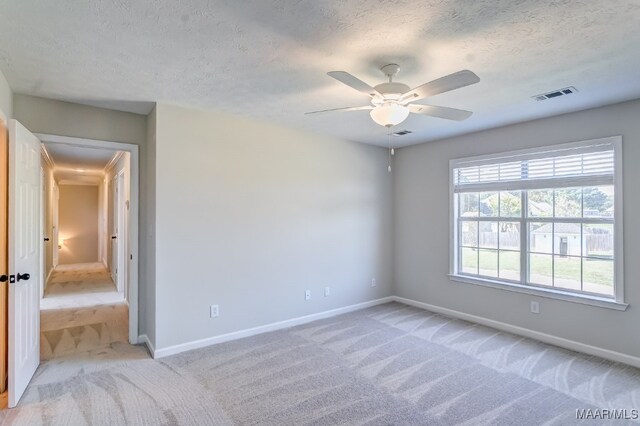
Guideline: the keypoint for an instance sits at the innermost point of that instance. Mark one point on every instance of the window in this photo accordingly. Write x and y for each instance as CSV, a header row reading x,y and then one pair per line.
x,y
545,221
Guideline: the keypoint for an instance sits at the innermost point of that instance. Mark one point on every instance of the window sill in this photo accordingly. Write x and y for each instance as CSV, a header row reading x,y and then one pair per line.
x,y
601,302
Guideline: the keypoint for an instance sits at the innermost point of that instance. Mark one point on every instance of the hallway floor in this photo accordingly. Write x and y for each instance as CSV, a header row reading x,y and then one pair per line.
x,y
80,285
66,331
81,311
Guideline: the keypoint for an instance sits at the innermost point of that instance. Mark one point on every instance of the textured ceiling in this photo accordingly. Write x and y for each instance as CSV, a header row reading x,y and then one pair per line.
x,y
267,59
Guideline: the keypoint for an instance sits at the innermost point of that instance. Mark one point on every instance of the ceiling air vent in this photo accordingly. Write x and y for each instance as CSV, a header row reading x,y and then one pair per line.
x,y
401,133
556,93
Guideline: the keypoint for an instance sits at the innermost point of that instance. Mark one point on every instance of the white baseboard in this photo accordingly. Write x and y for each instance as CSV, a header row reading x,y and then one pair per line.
x,y
144,339
175,349
48,276
521,331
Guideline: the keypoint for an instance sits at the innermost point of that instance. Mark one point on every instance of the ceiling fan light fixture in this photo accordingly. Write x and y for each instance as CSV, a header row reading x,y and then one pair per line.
x,y
389,114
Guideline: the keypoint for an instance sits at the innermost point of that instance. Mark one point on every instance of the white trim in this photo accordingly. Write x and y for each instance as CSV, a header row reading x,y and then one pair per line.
x,y
113,162
550,293
122,243
68,182
47,157
43,244
196,344
521,331
50,272
134,230
144,340
618,231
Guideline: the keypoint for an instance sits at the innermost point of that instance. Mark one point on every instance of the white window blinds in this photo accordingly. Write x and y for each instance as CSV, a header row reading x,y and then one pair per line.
x,y
590,163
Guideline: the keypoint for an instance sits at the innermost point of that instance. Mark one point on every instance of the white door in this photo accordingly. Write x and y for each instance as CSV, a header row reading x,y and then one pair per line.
x,y
24,259
54,220
114,232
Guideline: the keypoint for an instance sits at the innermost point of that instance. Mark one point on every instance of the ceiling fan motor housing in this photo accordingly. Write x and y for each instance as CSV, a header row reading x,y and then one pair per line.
x,y
392,91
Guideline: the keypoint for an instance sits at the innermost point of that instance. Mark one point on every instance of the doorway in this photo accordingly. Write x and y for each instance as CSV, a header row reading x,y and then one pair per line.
x,y
83,306
87,247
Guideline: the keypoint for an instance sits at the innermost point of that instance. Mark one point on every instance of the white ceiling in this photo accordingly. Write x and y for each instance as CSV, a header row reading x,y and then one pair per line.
x,y
268,59
78,164
76,157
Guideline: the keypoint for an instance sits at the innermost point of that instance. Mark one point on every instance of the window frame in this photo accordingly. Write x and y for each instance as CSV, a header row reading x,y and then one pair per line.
x,y
522,286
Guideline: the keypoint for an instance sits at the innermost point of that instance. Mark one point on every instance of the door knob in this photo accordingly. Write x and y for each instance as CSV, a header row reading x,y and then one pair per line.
x,y
23,277
113,237
4,278
46,238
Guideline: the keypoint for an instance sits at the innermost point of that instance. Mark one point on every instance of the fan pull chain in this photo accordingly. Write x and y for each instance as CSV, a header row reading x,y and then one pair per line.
x,y
390,152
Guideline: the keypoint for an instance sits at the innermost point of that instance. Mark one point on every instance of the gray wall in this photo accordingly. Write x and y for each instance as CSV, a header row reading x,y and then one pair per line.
x,y
249,215
149,211
78,222
421,193
6,97
41,115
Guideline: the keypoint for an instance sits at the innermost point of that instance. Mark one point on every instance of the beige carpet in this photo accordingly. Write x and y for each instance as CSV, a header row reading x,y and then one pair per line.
x,y
80,285
88,323
79,278
387,365
64,331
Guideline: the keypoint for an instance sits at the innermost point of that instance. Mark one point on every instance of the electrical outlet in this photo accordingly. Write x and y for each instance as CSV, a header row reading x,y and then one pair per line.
x,y
307,295
327,291
214,311
373,282
535,307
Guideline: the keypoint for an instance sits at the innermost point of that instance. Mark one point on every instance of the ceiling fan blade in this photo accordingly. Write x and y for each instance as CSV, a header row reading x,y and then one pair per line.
x,y
360,108
443,84
440,112
354,82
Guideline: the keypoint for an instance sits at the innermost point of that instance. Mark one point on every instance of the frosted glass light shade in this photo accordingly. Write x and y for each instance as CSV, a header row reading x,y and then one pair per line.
x,y
389,114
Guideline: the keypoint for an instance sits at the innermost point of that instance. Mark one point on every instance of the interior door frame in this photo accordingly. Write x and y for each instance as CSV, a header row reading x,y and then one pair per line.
x,y
115,227
134,208
55,237
4,254
123,233
43,245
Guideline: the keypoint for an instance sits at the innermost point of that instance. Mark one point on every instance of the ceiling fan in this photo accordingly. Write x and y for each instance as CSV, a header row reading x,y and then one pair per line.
x,y
392,102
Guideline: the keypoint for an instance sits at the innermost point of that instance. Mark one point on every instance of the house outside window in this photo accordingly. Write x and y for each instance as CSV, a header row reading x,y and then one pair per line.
x,y
545,221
